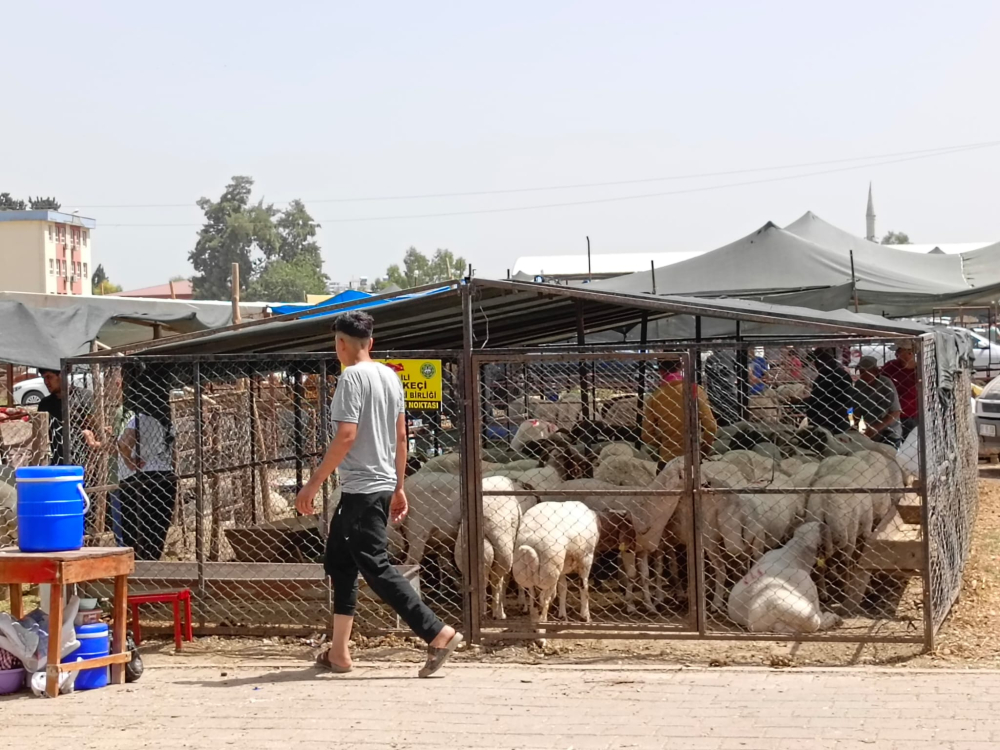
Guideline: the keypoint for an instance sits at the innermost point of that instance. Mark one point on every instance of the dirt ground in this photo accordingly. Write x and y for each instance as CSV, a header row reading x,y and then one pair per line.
x,y
970,637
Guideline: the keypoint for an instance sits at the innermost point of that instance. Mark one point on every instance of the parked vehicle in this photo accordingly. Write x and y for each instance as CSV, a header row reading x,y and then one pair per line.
x,y
988,420
30,392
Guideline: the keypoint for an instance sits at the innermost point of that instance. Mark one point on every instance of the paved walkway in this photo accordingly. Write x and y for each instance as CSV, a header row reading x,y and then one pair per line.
x,y
264,707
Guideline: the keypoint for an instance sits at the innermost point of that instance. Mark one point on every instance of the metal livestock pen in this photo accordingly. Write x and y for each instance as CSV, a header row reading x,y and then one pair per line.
x,y
693,465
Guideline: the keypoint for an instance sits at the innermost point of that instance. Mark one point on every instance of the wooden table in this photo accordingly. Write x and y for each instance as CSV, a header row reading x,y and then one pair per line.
x,y
59,569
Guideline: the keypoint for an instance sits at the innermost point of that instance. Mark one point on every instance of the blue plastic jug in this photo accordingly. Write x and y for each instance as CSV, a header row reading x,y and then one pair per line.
x,y
51,505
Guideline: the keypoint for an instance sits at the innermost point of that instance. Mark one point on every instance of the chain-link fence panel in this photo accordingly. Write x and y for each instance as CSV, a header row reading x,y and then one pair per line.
x,y
951,478
24,441
584,463
196,465
809,523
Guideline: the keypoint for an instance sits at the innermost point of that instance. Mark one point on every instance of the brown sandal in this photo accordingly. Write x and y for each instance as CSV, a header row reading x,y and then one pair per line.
x,y
436,657
323,662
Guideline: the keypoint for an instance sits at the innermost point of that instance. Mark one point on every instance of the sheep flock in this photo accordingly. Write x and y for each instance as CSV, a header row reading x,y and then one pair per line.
x,y
785,516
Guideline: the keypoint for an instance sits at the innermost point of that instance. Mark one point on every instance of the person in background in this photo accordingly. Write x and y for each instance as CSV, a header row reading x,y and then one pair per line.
x,y
146,480
663,419
902,371
876,402
720,383
832,393
756,372
53,406
369,448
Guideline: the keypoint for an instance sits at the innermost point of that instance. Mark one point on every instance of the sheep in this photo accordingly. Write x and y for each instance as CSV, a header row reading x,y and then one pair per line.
x,y
450,463
617,450
750,524
649,515
529,434
624,470
538,478
778,594
500,522
554,540
850,518
753,466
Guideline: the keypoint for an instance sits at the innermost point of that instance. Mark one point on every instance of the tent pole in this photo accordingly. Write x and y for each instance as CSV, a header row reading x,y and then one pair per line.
x,y
590,276
652,271
854,282
581,340
641,385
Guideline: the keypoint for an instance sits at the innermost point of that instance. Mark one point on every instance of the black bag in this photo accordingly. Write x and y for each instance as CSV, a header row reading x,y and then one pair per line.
x,y
133,668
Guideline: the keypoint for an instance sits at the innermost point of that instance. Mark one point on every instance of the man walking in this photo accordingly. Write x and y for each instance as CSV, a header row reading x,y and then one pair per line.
x,y
369,410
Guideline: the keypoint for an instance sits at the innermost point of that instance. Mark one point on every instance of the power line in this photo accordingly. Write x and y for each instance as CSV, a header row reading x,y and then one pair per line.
x,y
583,185
618,199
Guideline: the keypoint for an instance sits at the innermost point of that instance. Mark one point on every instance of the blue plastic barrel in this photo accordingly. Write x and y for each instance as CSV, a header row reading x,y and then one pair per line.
x,y
51,505
94,644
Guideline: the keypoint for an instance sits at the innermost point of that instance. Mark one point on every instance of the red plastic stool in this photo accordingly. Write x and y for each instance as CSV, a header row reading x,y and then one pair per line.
x,y
162,597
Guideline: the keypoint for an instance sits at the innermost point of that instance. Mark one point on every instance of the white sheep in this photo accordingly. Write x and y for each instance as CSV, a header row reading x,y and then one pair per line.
x,y
500,522
752,523
850,518
778,594
649,515
531,432
624,470
535,478
553,541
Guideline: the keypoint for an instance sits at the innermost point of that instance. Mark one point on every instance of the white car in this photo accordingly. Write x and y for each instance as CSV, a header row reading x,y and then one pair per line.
x,y
987,355
29,392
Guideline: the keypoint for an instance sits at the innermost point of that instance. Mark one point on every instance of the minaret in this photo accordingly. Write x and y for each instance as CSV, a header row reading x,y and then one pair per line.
x,y
870,217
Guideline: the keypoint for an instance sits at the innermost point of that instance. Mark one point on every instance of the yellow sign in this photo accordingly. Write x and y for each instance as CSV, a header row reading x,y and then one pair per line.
x,y
421,379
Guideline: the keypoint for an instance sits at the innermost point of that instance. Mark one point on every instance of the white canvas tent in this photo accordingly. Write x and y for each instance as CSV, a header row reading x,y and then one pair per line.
x,y
809,264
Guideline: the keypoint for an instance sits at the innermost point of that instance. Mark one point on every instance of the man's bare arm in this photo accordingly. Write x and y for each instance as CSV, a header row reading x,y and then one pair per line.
x,y
402,446
347,433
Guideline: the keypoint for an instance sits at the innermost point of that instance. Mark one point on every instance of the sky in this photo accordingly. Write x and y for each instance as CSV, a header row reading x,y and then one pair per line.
x,y
137,104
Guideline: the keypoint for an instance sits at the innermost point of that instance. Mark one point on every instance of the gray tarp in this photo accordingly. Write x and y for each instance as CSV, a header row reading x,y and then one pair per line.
x,y
39,330
811,259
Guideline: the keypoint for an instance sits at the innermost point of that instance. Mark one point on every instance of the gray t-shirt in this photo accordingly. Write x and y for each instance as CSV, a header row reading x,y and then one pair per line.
x,y
873,401
369,395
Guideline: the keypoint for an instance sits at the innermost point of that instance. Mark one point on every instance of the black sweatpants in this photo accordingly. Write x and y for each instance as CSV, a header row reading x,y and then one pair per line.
x,y
147,507
357,544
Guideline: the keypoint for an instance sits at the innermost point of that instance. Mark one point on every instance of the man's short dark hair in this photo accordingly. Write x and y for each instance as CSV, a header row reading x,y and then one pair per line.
x,y
356,324
668,366
43,371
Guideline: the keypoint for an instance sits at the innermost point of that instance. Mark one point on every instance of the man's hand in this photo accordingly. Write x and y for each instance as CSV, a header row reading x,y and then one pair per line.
x,y
89,439
398,508
304,500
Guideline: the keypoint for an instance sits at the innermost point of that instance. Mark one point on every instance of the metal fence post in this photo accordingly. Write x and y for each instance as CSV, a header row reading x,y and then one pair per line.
x,y
471,484
925,513
692,456
199,461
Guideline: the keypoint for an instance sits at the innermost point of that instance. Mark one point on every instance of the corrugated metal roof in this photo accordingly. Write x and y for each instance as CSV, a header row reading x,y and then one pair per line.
x,y
510,314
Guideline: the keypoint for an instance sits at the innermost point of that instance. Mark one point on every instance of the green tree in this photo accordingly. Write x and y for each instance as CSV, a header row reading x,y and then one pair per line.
x,y
101,284
287,281
896,238
39,204
7,203
234,229
419,270
277,251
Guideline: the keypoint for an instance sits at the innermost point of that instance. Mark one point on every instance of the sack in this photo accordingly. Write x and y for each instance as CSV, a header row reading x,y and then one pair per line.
x,y
133,668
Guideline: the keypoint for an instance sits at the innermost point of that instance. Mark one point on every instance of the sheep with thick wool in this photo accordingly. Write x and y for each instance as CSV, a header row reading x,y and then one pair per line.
x,y
850,518
649,516
778,594
501,520
553,541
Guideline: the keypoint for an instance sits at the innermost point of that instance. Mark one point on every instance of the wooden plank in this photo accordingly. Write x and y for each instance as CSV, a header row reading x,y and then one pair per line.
x,y
893,556
103,567
16,601
912,514
86,553
39,570
118,629
114,660
55,640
